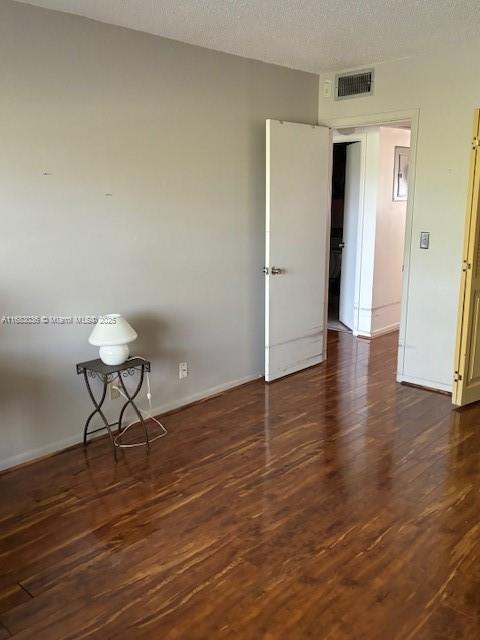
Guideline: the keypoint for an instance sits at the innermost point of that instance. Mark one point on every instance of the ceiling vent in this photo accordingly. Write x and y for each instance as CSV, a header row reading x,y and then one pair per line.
x,y
353,85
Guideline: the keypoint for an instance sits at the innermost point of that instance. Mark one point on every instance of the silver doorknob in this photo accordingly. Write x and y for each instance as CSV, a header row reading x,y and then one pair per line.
x,y
275,271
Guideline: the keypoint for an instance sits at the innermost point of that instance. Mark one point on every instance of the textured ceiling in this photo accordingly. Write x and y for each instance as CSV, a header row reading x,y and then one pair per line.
x,y
313,35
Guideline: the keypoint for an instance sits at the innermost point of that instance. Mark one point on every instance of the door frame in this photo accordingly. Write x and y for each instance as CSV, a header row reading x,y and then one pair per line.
x,y
384,119
362,139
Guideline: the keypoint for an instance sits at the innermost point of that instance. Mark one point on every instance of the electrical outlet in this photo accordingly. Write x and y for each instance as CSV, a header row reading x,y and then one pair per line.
x,y
114,392
182,370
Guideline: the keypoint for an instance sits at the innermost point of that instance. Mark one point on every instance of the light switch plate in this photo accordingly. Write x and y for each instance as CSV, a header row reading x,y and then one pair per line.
x,y
424,239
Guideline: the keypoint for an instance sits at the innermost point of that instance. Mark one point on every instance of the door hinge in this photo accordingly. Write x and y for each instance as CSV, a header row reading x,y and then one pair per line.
x,y
466,265
475,143
266,270
456,376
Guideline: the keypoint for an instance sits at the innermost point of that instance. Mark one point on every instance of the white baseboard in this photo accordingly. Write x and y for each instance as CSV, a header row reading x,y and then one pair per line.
x,y
203,395
423,382
378,332
384,330
40,452
59,445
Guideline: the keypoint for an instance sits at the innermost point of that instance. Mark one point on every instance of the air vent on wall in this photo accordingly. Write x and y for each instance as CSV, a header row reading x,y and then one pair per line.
x,y
352,85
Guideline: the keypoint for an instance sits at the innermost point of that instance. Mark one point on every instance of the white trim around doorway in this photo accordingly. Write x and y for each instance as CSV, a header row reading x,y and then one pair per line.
x,y
385,119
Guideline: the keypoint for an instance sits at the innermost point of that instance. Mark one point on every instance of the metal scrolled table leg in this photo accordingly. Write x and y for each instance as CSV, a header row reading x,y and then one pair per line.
x,y
98,409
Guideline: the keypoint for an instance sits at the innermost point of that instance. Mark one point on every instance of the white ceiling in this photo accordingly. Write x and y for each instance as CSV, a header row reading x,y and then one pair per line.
x,y
313,35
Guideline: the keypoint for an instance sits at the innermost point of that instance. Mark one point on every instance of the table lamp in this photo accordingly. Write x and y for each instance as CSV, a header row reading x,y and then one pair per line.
x,y
112,334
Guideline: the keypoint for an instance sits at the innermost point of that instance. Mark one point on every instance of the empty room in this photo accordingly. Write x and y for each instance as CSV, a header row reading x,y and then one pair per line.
x,y
239,320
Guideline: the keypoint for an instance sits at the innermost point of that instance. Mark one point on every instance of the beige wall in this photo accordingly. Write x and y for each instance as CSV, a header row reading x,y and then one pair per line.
x,y
176,134
444,91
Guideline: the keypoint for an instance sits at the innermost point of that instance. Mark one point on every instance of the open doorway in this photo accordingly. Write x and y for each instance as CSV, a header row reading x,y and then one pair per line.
x,y
297,247
346,174
367,237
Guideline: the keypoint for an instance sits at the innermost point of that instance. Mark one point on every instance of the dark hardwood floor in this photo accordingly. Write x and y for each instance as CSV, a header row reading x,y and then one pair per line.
x,y
334,504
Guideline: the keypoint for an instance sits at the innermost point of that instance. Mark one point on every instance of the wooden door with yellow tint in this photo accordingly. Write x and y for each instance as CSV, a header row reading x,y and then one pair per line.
x,y
466,385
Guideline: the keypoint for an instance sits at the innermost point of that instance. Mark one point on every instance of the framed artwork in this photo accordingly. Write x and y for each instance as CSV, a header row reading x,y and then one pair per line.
x,y
400,174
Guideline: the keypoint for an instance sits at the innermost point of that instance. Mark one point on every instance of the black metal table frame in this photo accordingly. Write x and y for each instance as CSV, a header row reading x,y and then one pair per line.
x,y
107,374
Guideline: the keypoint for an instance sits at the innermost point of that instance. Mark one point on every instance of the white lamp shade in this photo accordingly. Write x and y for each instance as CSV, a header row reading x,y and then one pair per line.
x,y
112,330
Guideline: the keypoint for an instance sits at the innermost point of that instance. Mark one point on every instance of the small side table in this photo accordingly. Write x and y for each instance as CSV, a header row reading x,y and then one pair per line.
x,y
107,373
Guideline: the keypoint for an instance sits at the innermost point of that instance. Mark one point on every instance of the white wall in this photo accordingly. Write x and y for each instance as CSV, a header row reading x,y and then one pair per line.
x,y
444,89
389,237
177,135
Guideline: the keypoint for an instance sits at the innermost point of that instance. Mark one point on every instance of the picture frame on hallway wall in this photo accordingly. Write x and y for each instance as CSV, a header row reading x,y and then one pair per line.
x,y
400,174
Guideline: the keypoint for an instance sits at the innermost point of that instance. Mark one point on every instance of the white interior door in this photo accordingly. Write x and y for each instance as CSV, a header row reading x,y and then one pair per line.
x,y
298,185
350,231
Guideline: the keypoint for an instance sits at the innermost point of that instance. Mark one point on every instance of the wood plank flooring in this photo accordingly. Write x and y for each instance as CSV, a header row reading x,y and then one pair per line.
x,y
334,504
